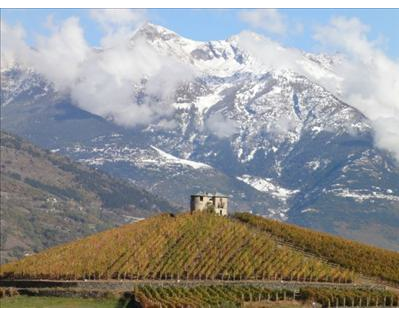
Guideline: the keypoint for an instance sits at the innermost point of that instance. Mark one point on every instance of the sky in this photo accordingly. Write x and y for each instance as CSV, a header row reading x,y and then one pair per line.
x,y
216,24
57,43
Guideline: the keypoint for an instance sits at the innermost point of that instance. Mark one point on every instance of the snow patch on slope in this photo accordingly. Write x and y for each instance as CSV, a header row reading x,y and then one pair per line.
x,y
266,185
141,157
170,159
205,102
360,196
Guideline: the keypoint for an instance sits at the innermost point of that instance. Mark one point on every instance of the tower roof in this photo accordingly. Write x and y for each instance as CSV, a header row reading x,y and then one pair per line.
x,y
216,194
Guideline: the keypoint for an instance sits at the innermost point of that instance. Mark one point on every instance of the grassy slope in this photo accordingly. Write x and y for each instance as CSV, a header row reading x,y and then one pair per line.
x,y
368,260
46,199
57,302
193,246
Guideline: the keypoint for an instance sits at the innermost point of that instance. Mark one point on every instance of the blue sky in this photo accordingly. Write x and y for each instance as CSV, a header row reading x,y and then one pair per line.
x,y
213,24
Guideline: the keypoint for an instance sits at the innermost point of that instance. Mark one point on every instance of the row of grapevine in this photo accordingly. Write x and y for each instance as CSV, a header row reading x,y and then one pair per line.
x,y
237,296
187,247
351,297
206,296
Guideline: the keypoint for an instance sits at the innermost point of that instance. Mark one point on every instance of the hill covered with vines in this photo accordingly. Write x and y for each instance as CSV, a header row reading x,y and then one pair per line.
x,y
361,258
198,246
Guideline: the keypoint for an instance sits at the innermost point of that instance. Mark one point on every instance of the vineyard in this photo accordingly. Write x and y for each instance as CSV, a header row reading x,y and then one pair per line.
x,y
205,296
241,296
328,297
368,260
186,247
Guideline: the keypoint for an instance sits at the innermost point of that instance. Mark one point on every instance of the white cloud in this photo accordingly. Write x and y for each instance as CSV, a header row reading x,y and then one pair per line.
x,y
370,79
269,20
118,23
110,19
112,80
106,81
60,55
12,41
221,126
282,126
270,53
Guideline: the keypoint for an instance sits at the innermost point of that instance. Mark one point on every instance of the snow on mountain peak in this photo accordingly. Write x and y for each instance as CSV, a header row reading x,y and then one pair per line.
x,y
153,31
244,52
255,74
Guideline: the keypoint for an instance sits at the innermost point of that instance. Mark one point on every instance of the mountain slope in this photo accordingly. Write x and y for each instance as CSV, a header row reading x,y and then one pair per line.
x,y
275,139
196,246
47,199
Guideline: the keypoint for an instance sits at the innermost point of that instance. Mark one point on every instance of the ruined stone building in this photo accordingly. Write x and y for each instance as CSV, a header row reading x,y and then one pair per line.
x,y
209,202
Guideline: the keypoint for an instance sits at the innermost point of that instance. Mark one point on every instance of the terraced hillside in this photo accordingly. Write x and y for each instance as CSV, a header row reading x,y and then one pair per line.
x,y
47,199
185,246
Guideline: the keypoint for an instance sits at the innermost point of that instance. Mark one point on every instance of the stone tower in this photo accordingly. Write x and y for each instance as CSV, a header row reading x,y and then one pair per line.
x,y
209,202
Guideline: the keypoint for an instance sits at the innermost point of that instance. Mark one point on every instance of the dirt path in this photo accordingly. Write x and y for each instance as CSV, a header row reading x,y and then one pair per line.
x,y
124,285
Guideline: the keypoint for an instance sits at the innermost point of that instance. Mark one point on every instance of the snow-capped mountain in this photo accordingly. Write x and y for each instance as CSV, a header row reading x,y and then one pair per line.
x,y
274,135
